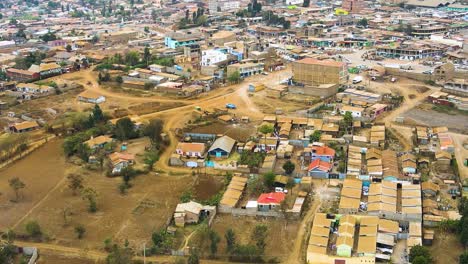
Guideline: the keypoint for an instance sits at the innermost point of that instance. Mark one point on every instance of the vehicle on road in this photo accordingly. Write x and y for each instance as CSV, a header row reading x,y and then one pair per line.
x,y
357,79
231,106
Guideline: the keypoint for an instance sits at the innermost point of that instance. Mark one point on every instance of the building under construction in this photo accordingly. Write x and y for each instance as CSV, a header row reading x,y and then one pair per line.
x,y
318,77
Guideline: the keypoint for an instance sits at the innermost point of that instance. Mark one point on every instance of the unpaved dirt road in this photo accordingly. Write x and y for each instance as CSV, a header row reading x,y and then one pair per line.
x,y
412,99
300,247
461,153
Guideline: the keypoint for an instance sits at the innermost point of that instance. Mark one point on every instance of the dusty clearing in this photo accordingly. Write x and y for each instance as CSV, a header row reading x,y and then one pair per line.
x,y
148,205
151,107
446,249
58,259
239,132
280,238
40,171
426,116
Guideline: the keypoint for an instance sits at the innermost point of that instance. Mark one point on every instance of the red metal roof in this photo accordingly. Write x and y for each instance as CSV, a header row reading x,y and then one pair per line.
x,y
319,164
323,151
271,198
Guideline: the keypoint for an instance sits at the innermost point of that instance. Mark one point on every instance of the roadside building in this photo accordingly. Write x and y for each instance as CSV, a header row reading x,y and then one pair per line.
x,y
222,147
245,69
194,150
270,201
319,169
25,126
91,97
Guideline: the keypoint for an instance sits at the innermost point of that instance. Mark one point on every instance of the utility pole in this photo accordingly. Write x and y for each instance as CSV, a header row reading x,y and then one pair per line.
x,y
144,253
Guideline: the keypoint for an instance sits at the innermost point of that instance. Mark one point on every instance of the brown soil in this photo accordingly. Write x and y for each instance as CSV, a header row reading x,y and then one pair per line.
x,y
239,132
41,172
151,107
207,186
280,240
148,205
446,248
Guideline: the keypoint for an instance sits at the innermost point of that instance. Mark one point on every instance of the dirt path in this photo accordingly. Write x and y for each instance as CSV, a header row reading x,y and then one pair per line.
x,y
460,153
95,255
237,94
298,253
409,102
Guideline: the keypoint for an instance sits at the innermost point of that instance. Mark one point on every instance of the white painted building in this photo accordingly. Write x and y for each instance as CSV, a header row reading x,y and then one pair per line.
x,y
229,5
212,56
355,111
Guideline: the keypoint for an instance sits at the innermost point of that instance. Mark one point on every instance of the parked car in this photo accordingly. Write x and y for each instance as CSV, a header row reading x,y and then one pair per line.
x,y
231,106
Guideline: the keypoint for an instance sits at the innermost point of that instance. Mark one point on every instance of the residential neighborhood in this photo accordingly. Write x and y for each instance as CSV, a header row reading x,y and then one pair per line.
x,y
245,131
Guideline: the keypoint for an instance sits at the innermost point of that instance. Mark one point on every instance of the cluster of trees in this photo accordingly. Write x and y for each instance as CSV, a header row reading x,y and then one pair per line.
x,y
273,19
234,77
23,63
458,227
251,159
132,59
92,125
362,22
265,183
16,185
49,36
88,194
198,18
420,255
7,249
250,252
253,8
407,29
12,145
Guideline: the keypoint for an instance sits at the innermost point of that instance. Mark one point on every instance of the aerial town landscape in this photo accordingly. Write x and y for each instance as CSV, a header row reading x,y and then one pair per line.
x,y
233,131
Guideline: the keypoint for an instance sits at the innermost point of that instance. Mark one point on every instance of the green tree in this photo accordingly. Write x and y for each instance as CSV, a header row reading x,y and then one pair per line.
x,y
83,151
33,229
119,255
348,119
90,195
80,230
125,129
49,36
194,257
162,241
98,115
269,179
75,182
362,22
234,77
463,258
315,137
119,79
68,48
127,174
153,131
214,239
230,237
7,250
420,252
259,235
289,167
306,3
132,58
148,86
16,184
420,260
266,129
147,55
